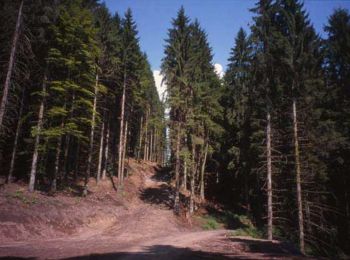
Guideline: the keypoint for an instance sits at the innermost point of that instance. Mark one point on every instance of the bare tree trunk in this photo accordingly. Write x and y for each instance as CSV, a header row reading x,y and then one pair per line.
x,y
298,179
53,187
100,154
177,171
14,151
140,140
77,158
125,137
121,131
193,176
155,152
202,196
269,177
65,162
37,138
104,172
154,145
185,176
91,144
7,84
146,139
150,147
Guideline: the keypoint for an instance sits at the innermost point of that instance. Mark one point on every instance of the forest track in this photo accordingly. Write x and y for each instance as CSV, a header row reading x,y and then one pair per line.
x,y
146,228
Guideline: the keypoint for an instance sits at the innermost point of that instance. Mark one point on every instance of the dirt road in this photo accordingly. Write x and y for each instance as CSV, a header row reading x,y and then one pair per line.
x,y
146,229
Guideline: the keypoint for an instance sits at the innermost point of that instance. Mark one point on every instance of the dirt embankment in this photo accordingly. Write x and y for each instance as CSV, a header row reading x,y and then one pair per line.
x,y
28,216
135,223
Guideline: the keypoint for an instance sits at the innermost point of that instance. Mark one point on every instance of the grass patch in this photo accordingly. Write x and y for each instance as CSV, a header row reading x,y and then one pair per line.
x,y
241,224
19,195
248,231
247,228
210,223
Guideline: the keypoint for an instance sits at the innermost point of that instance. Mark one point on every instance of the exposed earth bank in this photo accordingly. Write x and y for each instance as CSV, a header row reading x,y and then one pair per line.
x,y
136,223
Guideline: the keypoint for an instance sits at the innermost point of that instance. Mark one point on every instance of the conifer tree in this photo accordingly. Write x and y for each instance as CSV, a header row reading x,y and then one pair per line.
x,y
174,68
71,91
263,31
238,80
337,73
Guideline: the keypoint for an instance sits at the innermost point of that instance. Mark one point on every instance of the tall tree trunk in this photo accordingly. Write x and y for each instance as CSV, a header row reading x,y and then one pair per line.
x,y
298,179
66,163
100,154
151,146
121,131
77,158
193,176
177,170
185,176
155,140
53,187
125,138
91,144
7,84
269,177
37,138
105,166
14,151
146,140
155,157
140,139
202,195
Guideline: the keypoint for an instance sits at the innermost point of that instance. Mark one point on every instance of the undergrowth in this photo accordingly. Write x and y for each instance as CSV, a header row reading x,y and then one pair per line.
x,y
241,224
19,195
210,223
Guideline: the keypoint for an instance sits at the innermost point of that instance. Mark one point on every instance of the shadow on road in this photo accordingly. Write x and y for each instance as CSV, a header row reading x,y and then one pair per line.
x,y
267,247
229,248
162,174
162,196
157,252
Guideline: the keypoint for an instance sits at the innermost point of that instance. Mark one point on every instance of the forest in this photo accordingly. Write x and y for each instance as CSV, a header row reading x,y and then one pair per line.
x,y
269,140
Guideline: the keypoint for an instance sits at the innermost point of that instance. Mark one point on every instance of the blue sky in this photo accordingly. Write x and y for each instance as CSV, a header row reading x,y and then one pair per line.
x,y
220,18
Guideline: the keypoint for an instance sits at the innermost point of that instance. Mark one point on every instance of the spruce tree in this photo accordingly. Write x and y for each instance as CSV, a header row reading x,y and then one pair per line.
x,y
174,69
337,73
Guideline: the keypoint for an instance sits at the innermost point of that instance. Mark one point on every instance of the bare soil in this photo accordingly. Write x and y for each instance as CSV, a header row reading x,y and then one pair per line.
x,y
135,223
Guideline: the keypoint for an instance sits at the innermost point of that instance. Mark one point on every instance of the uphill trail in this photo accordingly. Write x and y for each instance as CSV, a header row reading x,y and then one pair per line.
x,y
143,228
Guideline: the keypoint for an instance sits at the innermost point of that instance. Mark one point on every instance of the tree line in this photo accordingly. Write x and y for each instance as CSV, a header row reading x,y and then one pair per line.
x,y
271,139
78,94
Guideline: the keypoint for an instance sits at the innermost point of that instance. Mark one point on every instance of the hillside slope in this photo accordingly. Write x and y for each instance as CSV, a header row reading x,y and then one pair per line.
x,y
136,223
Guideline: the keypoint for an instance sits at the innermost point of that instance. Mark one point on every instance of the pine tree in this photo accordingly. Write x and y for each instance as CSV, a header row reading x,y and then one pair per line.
x,y
73,53
337,74
238,80
174,69
130,65
263,31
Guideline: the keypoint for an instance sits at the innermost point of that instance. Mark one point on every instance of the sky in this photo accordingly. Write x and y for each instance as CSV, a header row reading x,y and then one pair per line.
x,y
221,19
